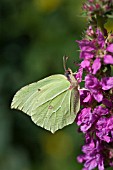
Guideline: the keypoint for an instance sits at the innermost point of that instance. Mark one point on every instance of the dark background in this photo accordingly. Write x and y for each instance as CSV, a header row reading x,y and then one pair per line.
x,y
35,34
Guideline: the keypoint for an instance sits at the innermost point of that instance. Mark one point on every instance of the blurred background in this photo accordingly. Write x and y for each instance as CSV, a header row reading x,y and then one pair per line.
x,y
35,34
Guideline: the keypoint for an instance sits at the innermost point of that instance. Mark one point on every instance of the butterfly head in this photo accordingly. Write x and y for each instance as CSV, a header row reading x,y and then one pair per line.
x,y
69,74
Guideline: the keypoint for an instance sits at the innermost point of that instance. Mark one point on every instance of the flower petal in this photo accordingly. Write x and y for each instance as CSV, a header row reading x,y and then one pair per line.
x,y
107,83
85,63
96,65
110,48
108,59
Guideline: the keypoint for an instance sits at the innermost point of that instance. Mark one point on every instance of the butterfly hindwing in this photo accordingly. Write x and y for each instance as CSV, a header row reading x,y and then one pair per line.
x,y
54,114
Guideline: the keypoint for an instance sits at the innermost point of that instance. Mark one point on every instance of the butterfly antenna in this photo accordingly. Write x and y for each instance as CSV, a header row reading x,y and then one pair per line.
x,y
65,58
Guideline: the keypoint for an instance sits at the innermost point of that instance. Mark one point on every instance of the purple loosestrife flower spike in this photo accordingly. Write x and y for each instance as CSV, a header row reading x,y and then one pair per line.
x,y
95,119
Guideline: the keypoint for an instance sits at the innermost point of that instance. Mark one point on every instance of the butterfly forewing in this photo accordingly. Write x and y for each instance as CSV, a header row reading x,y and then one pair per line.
x,y
34,95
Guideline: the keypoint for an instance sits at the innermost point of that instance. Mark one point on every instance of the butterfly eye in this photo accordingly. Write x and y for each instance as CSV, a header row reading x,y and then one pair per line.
x,y
67,74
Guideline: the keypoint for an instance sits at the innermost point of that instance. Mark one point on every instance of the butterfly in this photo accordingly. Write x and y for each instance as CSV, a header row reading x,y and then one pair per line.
x,y
52,102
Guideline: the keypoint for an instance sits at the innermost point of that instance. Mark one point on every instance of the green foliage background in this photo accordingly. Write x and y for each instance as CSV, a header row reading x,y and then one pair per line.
x,y
35,34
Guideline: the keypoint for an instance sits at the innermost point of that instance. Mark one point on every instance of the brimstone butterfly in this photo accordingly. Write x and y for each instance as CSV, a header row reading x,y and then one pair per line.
x,y
52,102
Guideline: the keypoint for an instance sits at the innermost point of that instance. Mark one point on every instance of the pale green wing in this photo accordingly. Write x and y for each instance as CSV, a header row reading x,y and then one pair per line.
x,y
54,114
31,96
36,94
50,102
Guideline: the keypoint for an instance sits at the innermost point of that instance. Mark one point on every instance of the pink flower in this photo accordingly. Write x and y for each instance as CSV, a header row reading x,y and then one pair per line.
x,y
110,48
85,119
92,155
108,59
87,48
93,84
96,65
104,127
107,83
